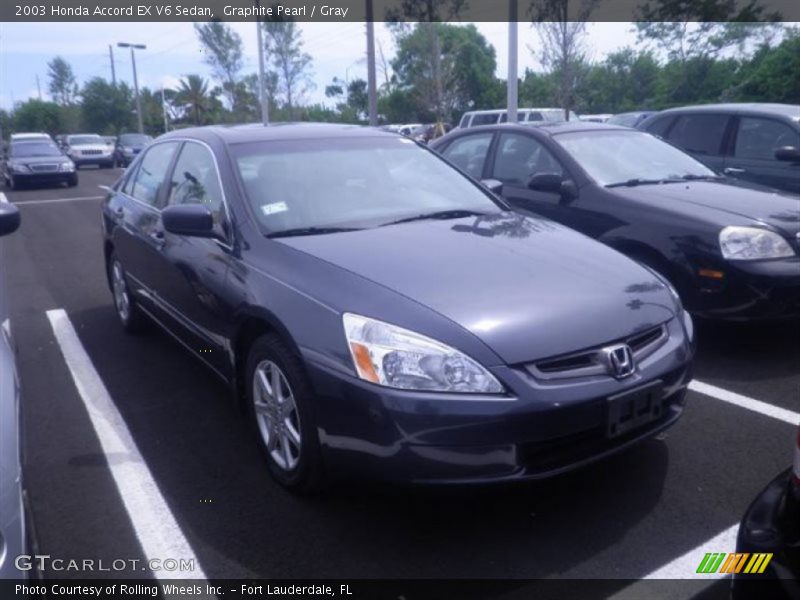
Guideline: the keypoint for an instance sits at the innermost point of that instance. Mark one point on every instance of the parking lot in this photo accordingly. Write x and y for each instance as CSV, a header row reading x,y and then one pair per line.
x,y
654,509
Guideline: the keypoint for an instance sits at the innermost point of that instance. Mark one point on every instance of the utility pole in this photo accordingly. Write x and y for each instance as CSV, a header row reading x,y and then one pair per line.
x,y
135,80
262,90
372,86
513,100
164,110
113,70
38,87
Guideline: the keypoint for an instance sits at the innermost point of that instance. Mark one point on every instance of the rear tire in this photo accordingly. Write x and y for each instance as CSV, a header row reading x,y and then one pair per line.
x,y
280,405
129,314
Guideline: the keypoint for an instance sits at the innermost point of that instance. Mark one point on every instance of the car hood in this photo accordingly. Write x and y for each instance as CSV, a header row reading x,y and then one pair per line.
x,y
777,209
528,288
35,160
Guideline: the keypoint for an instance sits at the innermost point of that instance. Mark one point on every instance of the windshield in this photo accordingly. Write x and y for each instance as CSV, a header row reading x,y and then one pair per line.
x,y
79,140
614,157
350,183
134,139
31,149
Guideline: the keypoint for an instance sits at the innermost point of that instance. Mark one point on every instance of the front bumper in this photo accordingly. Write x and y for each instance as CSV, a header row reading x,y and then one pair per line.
x,y
95,159
771,525
751,290
539,429
43,177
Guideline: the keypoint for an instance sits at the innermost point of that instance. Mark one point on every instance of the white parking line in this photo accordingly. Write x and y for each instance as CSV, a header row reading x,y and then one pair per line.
x,y
57,200
156,529
770,410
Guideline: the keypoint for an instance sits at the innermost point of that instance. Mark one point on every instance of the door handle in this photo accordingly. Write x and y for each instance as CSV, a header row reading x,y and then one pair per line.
x,y
120,213
158,237
734,171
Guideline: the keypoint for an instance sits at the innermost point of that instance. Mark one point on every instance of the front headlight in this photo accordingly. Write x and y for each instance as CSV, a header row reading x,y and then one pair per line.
x,y
67,166
752,243
395,357
18,168
127,150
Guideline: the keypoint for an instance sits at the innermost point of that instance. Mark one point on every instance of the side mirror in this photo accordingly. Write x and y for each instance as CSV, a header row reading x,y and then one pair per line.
x,y
9,218
194,220
788,154
546,182
493,185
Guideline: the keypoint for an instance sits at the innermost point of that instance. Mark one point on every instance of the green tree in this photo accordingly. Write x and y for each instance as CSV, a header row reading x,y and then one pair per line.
x,y
106,108
223,53
62,85
464,78
37,115
773,73
283,43
193,94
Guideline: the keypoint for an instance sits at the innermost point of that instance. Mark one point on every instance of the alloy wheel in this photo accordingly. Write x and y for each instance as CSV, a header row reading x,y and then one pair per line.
x,y
276,415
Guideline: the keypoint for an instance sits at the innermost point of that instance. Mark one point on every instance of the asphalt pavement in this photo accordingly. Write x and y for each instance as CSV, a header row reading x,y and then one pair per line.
x,y
621,519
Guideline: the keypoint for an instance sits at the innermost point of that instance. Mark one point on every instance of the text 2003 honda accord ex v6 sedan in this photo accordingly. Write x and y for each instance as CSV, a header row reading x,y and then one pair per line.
x,y
379,312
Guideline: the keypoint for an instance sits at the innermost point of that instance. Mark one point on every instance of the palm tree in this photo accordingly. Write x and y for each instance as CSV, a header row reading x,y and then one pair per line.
x,y
193,93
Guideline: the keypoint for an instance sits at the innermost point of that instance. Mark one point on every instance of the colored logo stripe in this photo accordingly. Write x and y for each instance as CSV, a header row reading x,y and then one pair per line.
x,y
734,563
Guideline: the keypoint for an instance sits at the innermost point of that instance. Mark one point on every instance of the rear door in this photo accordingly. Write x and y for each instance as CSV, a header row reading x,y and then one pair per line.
x,y
753,153
702,135
136,208
190,284
469,152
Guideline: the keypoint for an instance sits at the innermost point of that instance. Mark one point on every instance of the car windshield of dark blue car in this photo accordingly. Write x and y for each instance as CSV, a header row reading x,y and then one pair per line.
x,y
329,185
617,157
32,149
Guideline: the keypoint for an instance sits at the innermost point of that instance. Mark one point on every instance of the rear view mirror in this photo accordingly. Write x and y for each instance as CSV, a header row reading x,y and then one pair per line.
x,y
194,220
9,218
546,182
788,154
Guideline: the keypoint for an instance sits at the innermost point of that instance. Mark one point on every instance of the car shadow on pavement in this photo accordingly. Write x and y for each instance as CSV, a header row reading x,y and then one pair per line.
x,y
242,524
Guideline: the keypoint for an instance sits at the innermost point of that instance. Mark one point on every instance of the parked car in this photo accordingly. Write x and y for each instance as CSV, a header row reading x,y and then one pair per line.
x,y
476,118
36,162
89,149
771,525
630,119
128,146
12,511
602,118
431,131
731,251
408,128
379,312
752,142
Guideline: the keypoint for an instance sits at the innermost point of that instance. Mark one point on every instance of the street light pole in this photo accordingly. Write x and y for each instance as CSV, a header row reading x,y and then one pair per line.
x,y
372,87
262,91
513,100
135,80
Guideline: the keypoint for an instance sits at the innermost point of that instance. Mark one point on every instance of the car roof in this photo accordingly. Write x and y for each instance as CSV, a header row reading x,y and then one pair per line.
x,y
552,127
790,110
256,132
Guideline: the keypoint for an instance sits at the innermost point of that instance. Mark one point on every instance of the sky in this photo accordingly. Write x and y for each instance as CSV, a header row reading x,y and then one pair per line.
x,y
337,50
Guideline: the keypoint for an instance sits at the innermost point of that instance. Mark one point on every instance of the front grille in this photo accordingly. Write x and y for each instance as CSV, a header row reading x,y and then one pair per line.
x,y
591,362
44,168
91,152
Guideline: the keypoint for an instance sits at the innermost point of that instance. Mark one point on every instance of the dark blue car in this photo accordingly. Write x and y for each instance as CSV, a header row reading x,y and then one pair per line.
x,y
378,312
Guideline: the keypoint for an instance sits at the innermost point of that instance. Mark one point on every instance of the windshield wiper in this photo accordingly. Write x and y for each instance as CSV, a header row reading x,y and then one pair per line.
x,y
636,181
693,177
439,215
310,231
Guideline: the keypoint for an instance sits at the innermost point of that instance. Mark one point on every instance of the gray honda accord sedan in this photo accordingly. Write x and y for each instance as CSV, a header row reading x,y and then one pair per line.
x,y
379,313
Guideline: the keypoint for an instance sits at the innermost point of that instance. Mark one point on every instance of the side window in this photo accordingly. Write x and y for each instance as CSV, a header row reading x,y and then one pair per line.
x,y
535,116
700,133
195,181
658,126
484,119
152,170
759,138
127,184
469,153
465,120
519,157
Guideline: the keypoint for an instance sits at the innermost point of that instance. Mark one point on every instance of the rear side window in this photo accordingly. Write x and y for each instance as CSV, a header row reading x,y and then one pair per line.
x,y
484,119
759,138
701,133
152,170
195,181
519,157
658,125
535,116
469,153
465,120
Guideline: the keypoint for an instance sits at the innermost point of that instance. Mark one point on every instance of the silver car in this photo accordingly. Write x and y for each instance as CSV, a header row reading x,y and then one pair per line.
x,y
12,514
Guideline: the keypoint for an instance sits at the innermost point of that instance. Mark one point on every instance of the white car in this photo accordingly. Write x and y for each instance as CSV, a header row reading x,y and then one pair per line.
x,y
89,149
30,137
474,118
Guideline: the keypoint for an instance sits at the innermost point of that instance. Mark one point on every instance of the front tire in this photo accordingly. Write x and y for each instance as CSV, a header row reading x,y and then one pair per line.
x,y
72,181
280,405
128,312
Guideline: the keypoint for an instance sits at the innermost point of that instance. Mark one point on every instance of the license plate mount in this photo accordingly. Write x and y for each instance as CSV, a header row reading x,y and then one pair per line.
x,y
634,408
